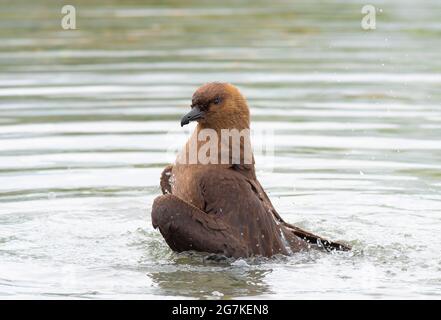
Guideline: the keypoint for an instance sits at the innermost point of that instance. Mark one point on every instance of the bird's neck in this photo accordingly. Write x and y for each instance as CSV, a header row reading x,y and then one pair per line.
x,y
230,148
242,126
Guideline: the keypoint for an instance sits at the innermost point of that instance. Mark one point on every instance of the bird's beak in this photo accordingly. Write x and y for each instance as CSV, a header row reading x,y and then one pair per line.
x,y
193,115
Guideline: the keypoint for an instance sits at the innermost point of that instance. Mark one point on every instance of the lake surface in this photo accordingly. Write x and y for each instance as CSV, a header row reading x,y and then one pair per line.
x,y
89,118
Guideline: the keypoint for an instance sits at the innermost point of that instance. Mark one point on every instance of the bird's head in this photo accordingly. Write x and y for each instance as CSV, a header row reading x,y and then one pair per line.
x,y
218,106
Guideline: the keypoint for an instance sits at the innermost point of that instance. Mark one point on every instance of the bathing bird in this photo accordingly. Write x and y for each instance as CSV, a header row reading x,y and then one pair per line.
x,y
212,201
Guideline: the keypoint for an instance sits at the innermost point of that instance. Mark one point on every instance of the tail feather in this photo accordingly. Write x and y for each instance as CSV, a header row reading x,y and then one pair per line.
x,y
321,242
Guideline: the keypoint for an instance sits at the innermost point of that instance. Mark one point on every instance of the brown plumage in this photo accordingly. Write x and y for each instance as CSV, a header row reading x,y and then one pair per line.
x,y
222,208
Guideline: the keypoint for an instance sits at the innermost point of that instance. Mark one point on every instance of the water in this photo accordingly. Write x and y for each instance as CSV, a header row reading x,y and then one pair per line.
x,y
88,118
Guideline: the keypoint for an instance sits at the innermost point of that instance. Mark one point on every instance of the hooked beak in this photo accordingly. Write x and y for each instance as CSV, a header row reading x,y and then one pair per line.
x,y
193,115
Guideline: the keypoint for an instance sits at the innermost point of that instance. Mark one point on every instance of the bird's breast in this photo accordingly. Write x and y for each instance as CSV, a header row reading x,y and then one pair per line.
x,y
185,184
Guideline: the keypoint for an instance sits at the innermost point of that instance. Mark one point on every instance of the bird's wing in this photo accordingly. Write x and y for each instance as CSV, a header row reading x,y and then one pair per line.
x,y
232,197
165,180
185,227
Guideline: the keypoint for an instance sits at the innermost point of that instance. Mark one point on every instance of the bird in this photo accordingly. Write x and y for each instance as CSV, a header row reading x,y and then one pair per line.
x,y
219,207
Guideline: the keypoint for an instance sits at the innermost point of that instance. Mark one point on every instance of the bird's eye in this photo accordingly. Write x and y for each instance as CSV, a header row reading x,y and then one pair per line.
x,y
217,100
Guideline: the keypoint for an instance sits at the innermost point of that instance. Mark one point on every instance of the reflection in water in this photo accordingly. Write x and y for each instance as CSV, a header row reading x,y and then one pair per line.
x,y
214,282
193,274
